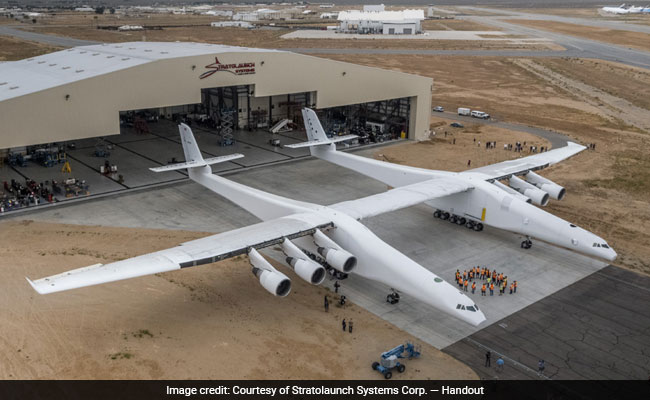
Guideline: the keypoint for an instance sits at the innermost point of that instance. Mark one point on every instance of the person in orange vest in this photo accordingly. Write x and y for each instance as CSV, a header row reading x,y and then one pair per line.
x,y
465,274
466,284
512,287
494,275
505,280
492,289
460,283
457,275
474,287
483,290
515,283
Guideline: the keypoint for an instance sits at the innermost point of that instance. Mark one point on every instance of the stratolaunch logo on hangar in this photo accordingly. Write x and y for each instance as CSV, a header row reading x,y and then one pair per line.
x,y
237,69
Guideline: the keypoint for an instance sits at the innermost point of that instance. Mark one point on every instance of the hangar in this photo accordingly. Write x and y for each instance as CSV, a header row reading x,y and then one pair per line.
x,y
82,92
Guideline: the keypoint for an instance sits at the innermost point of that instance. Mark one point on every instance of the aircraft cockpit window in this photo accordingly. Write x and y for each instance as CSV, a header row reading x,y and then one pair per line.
x,y
596,245
471,308
462,307
458,307
476,306
605,246
572,226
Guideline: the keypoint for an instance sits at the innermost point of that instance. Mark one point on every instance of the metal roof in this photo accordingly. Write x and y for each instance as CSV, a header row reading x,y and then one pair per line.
x,y
381,16
22,77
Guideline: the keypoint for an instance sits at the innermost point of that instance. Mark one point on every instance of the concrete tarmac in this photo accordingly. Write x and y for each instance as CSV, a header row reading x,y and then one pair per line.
x,y
596,328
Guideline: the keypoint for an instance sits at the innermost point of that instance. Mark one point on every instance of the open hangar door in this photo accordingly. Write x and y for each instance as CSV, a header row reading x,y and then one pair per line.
x,y
373,122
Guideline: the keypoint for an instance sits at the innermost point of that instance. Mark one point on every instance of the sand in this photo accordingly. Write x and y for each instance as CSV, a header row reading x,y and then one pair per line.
x,y
210,322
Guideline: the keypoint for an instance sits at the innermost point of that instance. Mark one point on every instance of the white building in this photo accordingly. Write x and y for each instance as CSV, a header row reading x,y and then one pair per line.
x,y
406,22
374,8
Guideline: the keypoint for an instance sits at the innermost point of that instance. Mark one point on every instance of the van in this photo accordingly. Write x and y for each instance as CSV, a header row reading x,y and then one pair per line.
x,y
463,111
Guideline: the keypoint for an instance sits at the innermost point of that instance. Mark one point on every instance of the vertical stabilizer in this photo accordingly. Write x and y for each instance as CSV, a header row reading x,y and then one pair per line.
x,y
314,129
190,148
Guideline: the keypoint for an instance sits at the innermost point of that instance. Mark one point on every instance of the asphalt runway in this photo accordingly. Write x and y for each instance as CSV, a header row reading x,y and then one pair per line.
x,y
596,328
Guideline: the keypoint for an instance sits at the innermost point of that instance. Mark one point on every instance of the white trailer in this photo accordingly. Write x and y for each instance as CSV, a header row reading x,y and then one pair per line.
x,y
464,111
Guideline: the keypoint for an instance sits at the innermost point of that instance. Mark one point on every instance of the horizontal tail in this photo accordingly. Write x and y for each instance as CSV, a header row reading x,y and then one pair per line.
x,y
193,157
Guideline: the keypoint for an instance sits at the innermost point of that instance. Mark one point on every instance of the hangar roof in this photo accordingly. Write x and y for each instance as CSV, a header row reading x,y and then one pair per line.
x,y
382,16
62,67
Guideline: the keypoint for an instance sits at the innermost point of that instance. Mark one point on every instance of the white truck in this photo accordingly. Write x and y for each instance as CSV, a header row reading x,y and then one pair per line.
x,y
464,111
480,114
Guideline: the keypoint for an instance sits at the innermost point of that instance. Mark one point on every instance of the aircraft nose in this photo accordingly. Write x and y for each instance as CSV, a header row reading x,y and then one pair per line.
x,y
611,255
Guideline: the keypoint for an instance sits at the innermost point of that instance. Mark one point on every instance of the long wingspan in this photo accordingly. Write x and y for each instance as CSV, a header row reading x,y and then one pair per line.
x,y
196,252
401,197
531,163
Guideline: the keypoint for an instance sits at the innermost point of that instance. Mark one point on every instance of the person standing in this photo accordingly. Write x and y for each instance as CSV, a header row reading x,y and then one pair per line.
x,y
492,289
327,304
343,324
466,284
500,364
540,367
350,326
488,357
337,285
515,283
483,289
473,287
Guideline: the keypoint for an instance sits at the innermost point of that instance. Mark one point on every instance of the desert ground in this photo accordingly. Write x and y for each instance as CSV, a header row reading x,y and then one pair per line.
x,y
214,322
636,40
12,49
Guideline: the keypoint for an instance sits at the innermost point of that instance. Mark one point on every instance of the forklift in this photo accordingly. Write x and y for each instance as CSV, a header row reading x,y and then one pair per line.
x,y
389,359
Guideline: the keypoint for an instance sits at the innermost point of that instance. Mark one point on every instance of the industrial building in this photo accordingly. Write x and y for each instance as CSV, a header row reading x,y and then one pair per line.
x,y
375,20
81,92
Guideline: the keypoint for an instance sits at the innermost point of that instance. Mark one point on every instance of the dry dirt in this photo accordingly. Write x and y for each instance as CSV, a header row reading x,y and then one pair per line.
x,y
441,153
212,322
637,40
12,49
270,39
608,189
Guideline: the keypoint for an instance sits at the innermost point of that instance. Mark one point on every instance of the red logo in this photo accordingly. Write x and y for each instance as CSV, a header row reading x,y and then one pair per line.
x,y
237,69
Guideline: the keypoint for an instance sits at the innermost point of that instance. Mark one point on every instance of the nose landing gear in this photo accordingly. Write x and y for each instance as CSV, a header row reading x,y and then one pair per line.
x,y
527,244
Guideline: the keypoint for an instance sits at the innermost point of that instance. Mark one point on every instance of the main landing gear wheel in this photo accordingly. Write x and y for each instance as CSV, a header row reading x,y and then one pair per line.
x,y
469,225
437,214
453,219
445,215
526,244
461,221
478,227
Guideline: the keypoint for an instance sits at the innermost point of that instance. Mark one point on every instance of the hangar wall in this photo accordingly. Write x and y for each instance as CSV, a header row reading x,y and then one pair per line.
x,y
90,107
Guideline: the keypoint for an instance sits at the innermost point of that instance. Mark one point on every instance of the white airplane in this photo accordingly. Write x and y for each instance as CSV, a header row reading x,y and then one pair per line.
x,y
330,234
623,9
487,202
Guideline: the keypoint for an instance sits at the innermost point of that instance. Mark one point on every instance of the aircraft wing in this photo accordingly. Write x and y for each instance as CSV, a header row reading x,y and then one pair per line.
x,y
401,197
196,252
531,163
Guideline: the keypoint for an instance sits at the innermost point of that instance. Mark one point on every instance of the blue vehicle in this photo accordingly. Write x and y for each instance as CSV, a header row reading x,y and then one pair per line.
x,y
389,359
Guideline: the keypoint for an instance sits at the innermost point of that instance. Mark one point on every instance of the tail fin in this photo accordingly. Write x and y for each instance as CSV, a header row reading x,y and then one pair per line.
x,y
190,148
314,129
193,157
316,133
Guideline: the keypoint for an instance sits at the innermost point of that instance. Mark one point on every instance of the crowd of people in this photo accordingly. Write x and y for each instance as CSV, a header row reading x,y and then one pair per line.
x,y
489,280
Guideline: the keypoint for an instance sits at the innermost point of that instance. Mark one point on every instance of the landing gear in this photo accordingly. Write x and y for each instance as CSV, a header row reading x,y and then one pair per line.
x,y
445,215
526,244
478,227
470,225
437,214
393,298
453,219
461,221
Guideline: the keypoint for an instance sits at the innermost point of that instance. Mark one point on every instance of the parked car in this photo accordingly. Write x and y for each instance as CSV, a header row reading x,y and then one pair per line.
x,y
456,125
438,109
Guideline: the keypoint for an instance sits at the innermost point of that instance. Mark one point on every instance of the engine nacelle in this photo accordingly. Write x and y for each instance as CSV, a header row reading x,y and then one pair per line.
x,y
538,196
553,189
274,281
512,192
335,256
305,268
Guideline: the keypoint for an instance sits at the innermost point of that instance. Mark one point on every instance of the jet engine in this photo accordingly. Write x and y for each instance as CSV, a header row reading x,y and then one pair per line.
x,y
553,189
512,192
538,196
305,268
274,281
335,256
